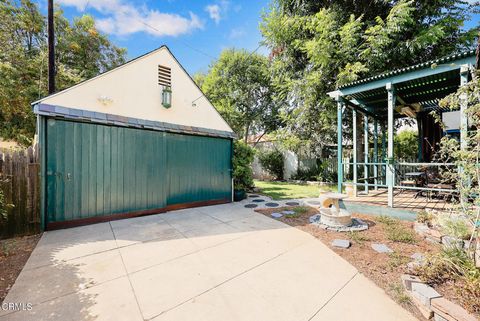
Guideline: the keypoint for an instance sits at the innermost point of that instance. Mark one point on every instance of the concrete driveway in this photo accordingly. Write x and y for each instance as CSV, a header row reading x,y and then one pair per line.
x,y
220,262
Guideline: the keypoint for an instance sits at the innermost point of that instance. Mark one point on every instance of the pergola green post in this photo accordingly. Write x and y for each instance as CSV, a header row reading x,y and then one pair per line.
x,y
340,104
384,150
390,160
420,139
365,151
463,108
375,152
355,172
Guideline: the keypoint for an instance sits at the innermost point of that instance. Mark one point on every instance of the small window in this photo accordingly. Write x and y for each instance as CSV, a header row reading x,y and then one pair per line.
x,y
164,76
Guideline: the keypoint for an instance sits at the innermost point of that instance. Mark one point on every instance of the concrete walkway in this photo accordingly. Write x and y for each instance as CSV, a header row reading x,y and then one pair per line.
x,y
221,262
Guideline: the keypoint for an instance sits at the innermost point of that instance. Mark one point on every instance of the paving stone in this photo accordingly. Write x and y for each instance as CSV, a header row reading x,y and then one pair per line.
x,y
251,205
253,196
447,310
276,215
344,244
258,200
271,204
408,279
424,293
438,317
292,203
381,248
425,311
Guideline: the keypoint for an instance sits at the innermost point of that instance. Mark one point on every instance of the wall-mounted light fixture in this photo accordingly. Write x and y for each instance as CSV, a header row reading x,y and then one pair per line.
x,y
167,97
105,100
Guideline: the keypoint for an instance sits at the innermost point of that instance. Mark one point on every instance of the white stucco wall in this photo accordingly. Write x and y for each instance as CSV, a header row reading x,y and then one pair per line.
x,y
135,92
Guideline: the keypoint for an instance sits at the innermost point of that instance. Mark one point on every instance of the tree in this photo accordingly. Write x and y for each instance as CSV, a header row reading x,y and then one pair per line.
x,y
81,52
319,45
239,85
406,145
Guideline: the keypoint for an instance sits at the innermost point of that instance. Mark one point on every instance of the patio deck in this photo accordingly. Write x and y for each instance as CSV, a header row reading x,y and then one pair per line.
x,y
403,200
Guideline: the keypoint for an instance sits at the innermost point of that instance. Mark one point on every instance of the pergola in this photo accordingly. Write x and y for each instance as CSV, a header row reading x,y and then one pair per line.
x,y
408,92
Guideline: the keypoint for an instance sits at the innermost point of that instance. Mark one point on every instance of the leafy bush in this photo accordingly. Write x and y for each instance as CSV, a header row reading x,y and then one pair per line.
x,y
454,265
319,173
242,165
272,162
424,217
456,227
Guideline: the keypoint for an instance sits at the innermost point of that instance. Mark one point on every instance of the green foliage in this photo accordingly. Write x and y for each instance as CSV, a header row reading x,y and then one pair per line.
x,y
396,260
406,145
272,162
358,237
239,86
455,265
242,165
318,45
396,232
457,227
320,173
467,179
4,206
81,52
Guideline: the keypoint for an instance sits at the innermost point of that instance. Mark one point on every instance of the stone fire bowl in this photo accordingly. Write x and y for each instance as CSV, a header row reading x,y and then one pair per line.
x,y
341,218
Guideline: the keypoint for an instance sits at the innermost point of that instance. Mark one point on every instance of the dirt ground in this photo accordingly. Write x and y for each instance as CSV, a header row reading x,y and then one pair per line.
x,y
383,269
14,253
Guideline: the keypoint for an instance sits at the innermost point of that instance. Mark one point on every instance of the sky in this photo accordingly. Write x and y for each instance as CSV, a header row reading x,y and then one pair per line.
x,y
196,31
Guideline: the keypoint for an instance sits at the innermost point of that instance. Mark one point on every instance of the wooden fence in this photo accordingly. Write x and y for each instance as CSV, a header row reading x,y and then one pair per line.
x,y
20,184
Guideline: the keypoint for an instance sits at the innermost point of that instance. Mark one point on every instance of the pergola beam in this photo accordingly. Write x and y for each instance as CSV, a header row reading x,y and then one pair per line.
x,y
404,77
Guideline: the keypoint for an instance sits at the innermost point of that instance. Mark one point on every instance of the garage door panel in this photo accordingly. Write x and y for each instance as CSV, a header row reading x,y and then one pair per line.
x,y
95,170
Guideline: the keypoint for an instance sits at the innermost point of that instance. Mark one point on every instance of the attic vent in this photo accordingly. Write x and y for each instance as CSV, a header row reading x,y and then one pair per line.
x,y
164,76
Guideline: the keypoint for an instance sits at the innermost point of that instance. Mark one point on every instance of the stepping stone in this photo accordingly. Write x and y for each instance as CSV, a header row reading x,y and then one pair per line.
x,y
292,203
381,248
344,244
276,215
288,212
271,204
251,205
258,200
253,196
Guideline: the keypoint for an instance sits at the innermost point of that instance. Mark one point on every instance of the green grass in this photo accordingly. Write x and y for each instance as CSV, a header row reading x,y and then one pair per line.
x,y
282,190
396,232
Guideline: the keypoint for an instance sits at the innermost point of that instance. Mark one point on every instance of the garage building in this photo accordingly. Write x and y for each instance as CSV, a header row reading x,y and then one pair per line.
x,y
136,140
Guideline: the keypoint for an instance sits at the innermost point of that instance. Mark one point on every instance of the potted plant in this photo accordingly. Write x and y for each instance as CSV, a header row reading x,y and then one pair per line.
x,y
242,169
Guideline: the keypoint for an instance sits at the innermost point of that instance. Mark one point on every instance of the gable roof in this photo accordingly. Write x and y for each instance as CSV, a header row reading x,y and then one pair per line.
x,y
45,99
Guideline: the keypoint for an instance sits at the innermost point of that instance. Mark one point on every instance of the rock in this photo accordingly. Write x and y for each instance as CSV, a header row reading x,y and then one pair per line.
x,y
276,215
438,317
420,228
452,242
424,293
434,236
447,310
411,266
381,248
418,257
288,212
344,244
425,311
408,279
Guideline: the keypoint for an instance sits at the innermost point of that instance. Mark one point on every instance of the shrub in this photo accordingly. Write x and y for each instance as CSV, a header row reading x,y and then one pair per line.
x,y
454,265
242,165
456,227
272,162
396,232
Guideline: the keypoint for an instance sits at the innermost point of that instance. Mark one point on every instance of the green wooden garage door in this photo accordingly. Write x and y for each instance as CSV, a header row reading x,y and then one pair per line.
x,y
95,170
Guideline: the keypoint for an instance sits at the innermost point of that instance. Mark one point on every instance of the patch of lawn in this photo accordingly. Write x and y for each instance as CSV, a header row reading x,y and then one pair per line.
x,y
283,190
